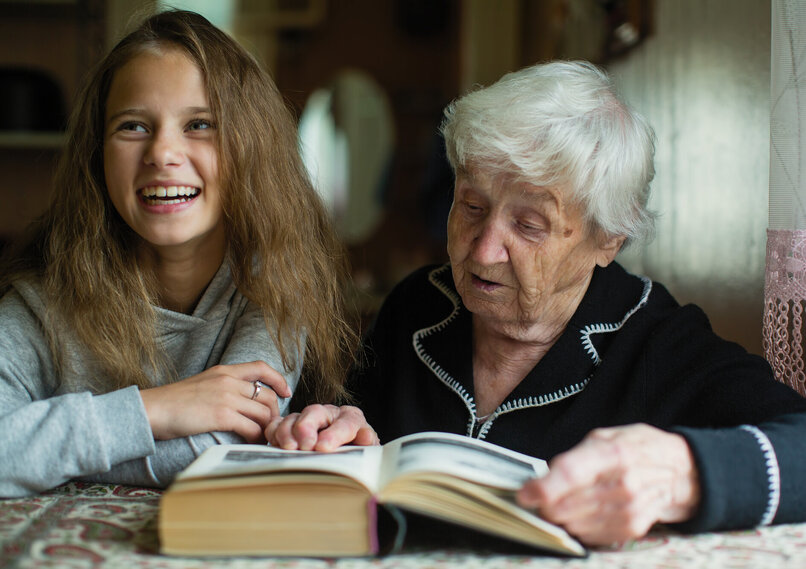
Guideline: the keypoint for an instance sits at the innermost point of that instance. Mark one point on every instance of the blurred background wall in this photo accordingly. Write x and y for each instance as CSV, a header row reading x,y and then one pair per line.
x,y
368,80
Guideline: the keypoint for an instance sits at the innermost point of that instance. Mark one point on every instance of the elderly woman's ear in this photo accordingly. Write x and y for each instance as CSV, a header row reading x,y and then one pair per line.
x,y
608,249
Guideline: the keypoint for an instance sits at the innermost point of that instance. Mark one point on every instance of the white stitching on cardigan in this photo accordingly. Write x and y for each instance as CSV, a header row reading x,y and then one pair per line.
x,y
532,401
587,344
522,403
773,473
443,375
612,327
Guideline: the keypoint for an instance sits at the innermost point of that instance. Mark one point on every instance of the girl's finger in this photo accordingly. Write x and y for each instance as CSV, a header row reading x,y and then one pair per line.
x,y
261,393
260,370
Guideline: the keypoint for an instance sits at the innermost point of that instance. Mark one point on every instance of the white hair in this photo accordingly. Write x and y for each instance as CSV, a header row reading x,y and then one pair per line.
x,y
561,124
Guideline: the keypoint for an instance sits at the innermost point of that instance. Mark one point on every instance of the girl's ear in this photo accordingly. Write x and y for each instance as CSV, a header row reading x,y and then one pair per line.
x,y
608,250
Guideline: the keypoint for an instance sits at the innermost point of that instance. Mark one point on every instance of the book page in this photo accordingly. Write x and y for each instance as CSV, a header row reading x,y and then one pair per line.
x,y
466,503
359,463
471,459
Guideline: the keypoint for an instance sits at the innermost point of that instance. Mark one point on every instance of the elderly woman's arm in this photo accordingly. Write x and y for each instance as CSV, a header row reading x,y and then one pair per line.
x,y
620,481
750,475
736,465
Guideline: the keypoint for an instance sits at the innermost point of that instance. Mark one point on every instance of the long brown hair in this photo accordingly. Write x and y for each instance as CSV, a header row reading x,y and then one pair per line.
x,y
282,249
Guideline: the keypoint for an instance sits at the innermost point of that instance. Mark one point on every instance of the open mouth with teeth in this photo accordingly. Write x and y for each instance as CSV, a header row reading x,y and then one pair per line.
x,y
168,195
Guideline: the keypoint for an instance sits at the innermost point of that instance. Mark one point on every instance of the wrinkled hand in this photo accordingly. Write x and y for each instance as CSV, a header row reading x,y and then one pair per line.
x,y
217,399
616,484
322,428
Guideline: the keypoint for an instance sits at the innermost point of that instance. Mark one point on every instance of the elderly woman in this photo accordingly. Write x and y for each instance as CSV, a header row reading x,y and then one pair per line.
x,y
533,338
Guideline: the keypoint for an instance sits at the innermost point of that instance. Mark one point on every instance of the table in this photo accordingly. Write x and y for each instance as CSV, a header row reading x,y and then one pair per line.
x,y
81,525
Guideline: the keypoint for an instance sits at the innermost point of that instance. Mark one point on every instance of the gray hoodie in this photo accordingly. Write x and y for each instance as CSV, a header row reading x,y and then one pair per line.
x,y
52,433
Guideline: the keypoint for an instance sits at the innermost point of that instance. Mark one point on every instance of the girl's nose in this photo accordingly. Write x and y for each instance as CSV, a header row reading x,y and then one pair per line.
x,y
164,150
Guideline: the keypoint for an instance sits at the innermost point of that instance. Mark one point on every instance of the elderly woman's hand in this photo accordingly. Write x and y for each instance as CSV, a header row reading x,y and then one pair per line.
x,y
616,484
322,428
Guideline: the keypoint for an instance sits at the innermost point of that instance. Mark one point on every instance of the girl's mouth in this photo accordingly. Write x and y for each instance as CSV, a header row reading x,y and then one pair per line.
x,y
168,195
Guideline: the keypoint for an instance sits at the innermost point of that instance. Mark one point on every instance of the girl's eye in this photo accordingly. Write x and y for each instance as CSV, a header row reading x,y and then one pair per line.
x,y
200,124
132,127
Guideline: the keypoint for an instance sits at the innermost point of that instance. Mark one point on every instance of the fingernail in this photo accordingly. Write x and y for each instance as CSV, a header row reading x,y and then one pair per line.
x,y
290,445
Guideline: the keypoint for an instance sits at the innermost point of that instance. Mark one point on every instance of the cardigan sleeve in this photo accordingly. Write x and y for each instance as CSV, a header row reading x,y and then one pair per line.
x,y
750,475
745,429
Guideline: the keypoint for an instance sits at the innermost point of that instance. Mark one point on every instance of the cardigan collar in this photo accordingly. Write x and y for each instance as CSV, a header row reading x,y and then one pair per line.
x,y
445,347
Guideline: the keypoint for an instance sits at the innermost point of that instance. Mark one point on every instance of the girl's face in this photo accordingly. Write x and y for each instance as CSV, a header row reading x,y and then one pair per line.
x,y
160,157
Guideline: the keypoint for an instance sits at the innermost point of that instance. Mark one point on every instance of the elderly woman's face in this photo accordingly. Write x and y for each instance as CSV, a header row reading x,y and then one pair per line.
x,y
521,255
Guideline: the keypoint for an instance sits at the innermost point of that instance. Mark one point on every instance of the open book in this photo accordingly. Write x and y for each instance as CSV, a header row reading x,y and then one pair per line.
x,y
255,500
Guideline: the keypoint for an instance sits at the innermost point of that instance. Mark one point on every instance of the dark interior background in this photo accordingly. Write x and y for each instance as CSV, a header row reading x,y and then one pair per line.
x,y
422,54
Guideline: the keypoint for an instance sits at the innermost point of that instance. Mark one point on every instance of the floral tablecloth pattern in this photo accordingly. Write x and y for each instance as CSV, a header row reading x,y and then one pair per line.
x,y
96,525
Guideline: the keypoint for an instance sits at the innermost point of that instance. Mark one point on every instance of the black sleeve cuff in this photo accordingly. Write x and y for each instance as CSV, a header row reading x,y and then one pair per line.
x,y
737,484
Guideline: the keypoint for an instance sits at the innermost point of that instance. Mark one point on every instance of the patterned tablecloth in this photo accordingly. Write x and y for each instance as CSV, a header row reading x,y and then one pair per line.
x,y
94,525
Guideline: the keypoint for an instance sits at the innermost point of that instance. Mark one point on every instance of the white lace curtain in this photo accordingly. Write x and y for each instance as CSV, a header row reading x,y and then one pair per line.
x,y
785,281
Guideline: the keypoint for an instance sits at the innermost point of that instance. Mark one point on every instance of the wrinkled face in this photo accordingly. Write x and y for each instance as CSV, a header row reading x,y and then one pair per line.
x,y
521,255
160,158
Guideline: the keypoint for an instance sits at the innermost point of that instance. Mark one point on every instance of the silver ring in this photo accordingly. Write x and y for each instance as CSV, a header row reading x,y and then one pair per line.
x,y
258,385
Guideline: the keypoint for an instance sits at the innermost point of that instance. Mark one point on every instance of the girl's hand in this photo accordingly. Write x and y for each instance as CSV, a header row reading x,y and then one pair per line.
x,y
322,428
217,399
616,484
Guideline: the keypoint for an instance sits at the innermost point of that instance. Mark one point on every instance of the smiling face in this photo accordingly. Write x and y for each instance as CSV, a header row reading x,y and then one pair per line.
x,y
521,255
160,157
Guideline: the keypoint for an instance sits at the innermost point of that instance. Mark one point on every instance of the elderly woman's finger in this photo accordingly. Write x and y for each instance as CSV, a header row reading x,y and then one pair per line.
x,y
613,516
322,428
616,484
367,436
609,530
300,431
279,432
311,420
348,426
572,471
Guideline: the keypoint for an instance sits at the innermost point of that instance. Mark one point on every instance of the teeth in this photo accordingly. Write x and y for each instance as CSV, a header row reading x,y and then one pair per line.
x,y
172,202
168,191
156,195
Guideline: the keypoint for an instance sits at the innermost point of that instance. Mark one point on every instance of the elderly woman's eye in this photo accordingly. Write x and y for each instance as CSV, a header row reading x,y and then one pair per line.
x,y
530,227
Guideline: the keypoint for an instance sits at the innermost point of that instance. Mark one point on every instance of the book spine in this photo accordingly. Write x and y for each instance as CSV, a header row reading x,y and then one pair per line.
x,y
372,523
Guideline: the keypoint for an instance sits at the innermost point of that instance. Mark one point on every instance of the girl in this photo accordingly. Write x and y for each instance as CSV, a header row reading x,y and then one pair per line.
x,y
182,278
